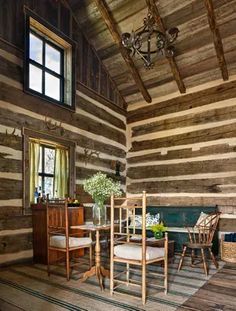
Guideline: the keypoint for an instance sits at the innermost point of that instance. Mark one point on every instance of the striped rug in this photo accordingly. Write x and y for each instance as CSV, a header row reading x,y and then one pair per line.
x,y
27,287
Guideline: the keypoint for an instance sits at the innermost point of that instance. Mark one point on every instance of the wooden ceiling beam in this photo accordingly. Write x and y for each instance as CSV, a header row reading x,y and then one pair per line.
x,y
217,39
111,24
174,68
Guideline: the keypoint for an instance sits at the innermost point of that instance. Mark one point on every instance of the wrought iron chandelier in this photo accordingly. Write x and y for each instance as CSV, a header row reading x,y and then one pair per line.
x,y
149,40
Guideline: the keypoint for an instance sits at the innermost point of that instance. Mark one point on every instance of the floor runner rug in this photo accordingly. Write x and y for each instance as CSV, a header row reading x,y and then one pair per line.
x,y
28,287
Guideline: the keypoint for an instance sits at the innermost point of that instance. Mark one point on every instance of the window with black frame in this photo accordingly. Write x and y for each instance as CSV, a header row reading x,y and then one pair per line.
x,y
46,170
46,67
49,62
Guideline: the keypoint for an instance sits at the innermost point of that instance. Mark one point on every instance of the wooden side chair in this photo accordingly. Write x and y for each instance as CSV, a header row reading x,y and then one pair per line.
x,y
61,239
131,248
200,238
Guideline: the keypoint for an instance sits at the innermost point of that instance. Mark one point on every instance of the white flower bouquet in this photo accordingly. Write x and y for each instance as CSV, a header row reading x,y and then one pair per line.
x,y
100,187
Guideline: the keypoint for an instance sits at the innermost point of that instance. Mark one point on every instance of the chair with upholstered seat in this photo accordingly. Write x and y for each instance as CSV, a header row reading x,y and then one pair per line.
x,y
61,239
131,248
200,238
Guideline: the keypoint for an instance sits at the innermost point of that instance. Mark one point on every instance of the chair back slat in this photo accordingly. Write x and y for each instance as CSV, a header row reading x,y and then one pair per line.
x,y
204,231
57,216
125,225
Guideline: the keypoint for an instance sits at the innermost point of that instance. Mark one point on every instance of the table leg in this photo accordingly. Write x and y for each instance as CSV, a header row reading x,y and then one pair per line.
x,y
97,270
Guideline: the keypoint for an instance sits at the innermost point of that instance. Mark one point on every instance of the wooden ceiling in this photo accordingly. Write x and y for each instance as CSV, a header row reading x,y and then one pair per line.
x,y
205,48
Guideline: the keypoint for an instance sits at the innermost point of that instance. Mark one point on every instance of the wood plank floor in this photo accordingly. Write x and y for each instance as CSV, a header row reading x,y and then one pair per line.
x,y
218,294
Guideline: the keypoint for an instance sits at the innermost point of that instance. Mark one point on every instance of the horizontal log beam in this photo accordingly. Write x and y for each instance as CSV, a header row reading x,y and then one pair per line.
x,y
83,173
204,117
108,19
201,98
16,120
184,153
217,39
15,243
188,168
16,222
211,185
100,162
226,203
10,189
204,135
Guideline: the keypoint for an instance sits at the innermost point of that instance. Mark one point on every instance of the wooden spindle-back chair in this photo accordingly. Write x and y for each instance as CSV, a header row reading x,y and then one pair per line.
x,y
200,238
60,238
125,248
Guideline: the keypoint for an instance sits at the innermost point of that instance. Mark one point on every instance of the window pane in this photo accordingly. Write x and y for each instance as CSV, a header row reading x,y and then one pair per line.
x,y
48,186
35,78
52,58
36,49
52,86
40,185
49,160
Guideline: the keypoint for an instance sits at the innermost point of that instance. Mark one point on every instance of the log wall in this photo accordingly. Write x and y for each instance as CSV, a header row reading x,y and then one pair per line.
x,y
182,150
99,122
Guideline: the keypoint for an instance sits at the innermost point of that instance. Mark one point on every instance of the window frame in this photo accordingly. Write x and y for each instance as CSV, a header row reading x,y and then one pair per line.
x,y
51,140
60,41
45,69
43,174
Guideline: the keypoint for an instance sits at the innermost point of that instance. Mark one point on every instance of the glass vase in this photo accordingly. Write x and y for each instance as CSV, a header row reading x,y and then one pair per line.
x,y
99,213
158,235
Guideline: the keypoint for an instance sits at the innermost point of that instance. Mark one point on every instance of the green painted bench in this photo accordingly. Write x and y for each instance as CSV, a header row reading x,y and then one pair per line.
x,y
177,218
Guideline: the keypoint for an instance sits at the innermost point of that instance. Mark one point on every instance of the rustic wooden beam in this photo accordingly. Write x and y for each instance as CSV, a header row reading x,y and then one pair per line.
x,y
111,24
217,39
174,68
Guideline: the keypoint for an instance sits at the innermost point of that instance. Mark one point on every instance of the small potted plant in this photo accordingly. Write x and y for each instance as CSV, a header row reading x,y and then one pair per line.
x,y
100,187
158,230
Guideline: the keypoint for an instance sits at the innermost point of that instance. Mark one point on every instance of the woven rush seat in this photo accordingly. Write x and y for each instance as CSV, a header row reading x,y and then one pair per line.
x,y
59,241
134,252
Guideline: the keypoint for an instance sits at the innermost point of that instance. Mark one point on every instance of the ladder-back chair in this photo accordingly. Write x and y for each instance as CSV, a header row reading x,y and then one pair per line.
x,y
200,238
60,238
125,248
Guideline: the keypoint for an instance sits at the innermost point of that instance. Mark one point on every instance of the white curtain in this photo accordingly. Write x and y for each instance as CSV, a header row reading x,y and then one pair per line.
x,y
34,149
61,173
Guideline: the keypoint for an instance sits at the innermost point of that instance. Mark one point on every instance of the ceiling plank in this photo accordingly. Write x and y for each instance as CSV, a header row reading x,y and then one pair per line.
x,y
74,16
217,39
111,24
174,68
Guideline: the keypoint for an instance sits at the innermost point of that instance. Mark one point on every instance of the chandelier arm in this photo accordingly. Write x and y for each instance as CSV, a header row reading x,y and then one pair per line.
x,y
143,57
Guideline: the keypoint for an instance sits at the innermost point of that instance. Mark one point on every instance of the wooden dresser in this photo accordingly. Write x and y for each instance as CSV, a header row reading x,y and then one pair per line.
x,y
39,220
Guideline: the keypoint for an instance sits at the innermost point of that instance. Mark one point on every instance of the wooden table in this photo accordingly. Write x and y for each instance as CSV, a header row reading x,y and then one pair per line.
x,y
97,269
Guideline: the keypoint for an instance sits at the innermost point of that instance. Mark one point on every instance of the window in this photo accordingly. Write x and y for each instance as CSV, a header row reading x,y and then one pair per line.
x,y
49,62
49,166
46,170
46,67
49,170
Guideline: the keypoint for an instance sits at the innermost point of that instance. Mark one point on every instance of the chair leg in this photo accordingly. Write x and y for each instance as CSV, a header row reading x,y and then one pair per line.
x,y
67,266
90,252
213,258
182,258
204,262
166,275
111,276
127,274
48,268
192,257
144,283
90,257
